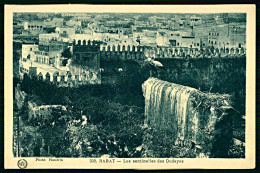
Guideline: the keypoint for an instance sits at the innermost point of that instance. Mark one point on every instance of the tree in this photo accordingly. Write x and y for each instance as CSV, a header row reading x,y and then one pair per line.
x,y
66,53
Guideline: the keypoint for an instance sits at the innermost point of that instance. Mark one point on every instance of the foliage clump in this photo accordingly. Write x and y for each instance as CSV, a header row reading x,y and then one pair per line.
x,y
111,128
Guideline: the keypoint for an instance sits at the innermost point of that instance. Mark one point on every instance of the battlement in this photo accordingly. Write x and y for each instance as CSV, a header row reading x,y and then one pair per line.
x,y
121,48
121,52
86,46
86,42
142,52
168,52
171,52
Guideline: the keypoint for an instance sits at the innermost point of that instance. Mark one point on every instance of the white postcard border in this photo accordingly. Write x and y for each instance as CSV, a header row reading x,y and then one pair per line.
x,y
84,163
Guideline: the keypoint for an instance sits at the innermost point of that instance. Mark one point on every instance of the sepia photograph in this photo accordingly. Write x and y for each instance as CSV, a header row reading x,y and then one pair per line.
x,y
128,87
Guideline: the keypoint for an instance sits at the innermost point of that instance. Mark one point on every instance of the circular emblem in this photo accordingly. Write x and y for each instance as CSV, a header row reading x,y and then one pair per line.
x,y
22,163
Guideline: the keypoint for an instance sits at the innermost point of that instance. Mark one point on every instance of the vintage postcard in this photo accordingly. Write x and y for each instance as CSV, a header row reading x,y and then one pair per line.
x,y
130,86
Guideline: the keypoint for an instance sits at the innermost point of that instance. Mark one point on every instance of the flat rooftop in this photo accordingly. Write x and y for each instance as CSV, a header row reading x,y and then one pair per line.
x,y
42,67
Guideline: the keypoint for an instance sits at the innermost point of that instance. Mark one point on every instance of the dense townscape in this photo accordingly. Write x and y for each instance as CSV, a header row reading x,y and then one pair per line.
x,y
80,90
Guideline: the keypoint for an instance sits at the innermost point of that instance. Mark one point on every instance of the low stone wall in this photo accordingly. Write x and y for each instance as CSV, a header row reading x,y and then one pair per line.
x,y
194,119
35,111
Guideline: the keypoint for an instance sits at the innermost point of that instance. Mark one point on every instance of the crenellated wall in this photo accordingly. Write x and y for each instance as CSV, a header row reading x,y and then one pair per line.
x,y
137,52
86,54
142,52
86,42
180,52
121,52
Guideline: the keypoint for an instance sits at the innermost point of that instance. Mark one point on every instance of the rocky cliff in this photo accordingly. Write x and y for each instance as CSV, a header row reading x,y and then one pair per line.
x,y
193,119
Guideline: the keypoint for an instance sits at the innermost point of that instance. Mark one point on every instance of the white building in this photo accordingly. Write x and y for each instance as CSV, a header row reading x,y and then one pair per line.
x,y
33,27
69,76
226,36
45,38
177,39
28,50
74,23
195,21
65,31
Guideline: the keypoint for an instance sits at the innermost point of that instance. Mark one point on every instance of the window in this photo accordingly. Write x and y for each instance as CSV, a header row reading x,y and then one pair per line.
x,y
217,34
178,44
209,33
215,42
198,44
209,41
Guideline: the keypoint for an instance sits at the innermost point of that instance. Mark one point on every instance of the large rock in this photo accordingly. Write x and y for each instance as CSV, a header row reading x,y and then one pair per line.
x,y
20,97
194,119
